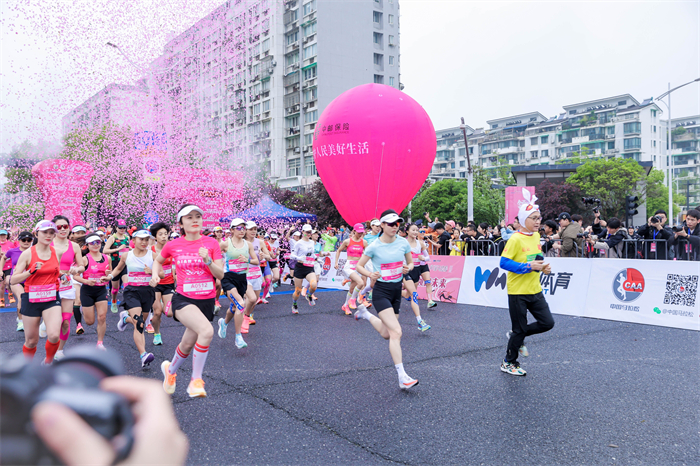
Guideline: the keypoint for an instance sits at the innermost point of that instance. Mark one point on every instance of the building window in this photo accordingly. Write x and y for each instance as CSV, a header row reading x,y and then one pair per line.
x,y
379,59
266,106
653,143
309,7
309,73
294,167
634,127
309,51
653,113
378,79
291,59
309,29
633,143
310,167
391,60
545,153
462,163
293,37
533,141
452,165
391,19
391,40
310,94
311,117
378,38
622,102
610,130
653,128
293,122
533,154
308,139
544,139
377,17
266,45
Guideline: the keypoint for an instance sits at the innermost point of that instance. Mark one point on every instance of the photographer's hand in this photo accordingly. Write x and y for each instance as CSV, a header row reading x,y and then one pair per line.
x,y
75,442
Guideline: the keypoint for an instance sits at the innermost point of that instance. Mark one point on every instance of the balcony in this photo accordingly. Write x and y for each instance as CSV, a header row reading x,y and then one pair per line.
x,y
687,136
579,140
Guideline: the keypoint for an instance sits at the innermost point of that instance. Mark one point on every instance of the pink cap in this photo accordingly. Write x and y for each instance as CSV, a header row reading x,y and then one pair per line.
x,y
358,227
121,221
451,223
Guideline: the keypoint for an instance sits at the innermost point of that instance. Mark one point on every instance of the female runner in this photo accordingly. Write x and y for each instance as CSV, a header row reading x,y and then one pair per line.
x,y
274,248
355,245
93,293
218,235
38,268
166,287
239,256
12,256
267,271
425,270
199,263
303,254
255,274
138,296
410,280
388,254
71,264
116,246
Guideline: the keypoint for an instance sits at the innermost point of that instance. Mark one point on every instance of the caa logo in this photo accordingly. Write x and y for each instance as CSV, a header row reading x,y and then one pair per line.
x,y
326,266
490,277
628,285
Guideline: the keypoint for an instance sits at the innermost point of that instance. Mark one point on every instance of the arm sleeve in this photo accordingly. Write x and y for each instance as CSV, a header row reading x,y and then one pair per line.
x,y
515,267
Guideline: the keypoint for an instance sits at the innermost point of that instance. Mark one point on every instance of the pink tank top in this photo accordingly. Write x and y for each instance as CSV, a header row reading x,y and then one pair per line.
x,y
355,248
67,258
96,270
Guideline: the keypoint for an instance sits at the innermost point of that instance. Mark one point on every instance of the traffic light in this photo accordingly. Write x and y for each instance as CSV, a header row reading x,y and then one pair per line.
x,y
631,205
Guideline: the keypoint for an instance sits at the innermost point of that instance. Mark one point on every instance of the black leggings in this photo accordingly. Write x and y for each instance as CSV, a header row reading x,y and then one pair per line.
x,y
518,305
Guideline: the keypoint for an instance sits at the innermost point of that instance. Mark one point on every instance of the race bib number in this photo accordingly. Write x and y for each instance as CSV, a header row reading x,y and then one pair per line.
x,y
351,265
123,252
139,278
392,271
254,272
167,271
42,293
237,266
199,288
309,261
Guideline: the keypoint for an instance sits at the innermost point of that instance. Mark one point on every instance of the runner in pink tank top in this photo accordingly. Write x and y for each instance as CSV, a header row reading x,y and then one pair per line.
x,y
355,246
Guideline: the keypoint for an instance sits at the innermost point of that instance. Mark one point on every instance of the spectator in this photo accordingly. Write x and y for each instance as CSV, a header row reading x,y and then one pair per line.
x,y
687,239
571,244
657,237
550,247
456,244
506,233
443,240
470,240
613,243
578,219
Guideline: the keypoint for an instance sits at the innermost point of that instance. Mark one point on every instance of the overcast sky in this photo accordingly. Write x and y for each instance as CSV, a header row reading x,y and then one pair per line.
x,y
479,60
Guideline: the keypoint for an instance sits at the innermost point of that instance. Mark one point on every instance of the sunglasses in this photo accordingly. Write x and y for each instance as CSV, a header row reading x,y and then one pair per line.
x,y
95,243
121,228
239,228
62,227
394,224
26,240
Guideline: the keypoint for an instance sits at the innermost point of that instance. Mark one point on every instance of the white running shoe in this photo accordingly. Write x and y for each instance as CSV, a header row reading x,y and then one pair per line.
x,y
222,328
407,383
121,325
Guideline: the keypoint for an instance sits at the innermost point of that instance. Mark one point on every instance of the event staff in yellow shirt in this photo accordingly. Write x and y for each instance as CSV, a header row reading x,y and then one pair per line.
x,y
523,259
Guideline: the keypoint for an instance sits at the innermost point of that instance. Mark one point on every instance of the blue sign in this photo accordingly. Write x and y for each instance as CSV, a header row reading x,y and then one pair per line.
x,y
151,216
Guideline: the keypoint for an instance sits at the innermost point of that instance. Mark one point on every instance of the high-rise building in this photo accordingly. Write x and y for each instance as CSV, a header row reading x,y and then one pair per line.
x,y
251,79
122,104
616,126
685,137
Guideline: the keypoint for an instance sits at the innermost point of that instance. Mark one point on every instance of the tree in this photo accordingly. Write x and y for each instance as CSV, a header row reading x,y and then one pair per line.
x,y
610,181
439,199
503,172
489,203
555,198
322,205
23,216
657,194
19,169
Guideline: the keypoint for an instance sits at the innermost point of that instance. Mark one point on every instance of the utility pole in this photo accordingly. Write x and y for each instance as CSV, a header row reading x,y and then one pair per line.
x,y
470,175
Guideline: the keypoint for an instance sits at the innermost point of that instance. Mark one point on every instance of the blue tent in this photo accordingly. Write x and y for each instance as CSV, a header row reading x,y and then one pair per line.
x,y
268,211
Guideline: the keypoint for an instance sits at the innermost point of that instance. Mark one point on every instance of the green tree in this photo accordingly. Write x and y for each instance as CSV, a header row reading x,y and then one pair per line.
x,y
489,202
439,199
611,181
503,172
657,194
18,171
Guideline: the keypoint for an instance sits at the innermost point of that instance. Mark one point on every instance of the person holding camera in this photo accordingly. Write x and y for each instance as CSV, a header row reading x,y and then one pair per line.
x,y
658,238
687,239
613,244
571,243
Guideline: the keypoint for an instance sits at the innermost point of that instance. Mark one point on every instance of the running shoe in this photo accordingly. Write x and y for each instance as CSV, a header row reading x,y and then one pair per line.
x,y
115,308
267,296
2,302
59,355
157,339
259,301
347,310
512,368
79,330
196,389
245,327
217,307
303,291
365,303
423,326
361,313
240,342
265,301
222,328
432,304
146,359
523,349
20,325
352,303
121,325
100,346
311,300
275,285
12,298
251,321
169,380
150,329
345,282
42,330
295,308
407,383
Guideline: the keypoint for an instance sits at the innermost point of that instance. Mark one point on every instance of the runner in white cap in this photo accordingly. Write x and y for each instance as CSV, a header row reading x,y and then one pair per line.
x,y
391,258
117,246
255,274
199,263
293,237
305,257
419,254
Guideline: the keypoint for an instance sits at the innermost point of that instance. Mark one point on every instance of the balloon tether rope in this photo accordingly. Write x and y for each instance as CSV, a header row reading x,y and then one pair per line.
x,y
381,162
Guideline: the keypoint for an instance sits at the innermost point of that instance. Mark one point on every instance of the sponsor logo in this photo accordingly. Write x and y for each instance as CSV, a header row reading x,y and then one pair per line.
x,y
490,278
624,307
326,266
628,285
674,312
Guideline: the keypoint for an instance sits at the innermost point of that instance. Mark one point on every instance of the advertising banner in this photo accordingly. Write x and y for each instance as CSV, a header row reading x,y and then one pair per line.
x,y
62,184
152,148
445,277
210,189
514,198
661,293
484,284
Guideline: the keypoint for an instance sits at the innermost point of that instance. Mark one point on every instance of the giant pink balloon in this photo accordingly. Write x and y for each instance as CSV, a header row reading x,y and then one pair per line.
x,y
374,147
62,183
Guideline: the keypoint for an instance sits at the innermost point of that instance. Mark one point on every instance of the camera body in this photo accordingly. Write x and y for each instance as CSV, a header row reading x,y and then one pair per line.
x,y
655,219
74,382
592,201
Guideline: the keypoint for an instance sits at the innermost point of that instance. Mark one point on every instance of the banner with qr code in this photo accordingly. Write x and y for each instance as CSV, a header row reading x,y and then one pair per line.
x,y
663,293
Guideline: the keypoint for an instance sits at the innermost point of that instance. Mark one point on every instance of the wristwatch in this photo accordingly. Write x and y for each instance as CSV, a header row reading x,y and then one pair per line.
x,y
208,263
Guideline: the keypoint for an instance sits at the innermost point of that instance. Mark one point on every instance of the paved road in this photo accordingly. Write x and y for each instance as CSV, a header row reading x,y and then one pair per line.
x,y
320,388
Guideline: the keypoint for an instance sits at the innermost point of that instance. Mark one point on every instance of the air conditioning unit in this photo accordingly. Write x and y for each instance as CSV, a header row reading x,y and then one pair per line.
x,y
270,70
297,150
273,63
295,66
306,106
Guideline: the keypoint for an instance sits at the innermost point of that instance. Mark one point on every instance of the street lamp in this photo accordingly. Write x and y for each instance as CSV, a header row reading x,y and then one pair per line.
x,y
669,163
470,175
